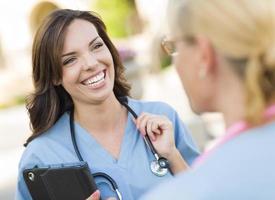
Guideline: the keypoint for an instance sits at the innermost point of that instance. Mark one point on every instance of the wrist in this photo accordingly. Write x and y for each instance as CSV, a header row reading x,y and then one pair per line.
x,y
176,161
173,154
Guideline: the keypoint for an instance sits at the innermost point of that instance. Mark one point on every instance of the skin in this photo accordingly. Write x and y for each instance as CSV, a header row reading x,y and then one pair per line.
x,y
191,63
96,196
218,89
161,132
85,56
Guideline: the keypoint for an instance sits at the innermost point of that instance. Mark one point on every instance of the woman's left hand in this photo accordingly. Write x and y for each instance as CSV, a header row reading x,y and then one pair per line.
x,y
161,132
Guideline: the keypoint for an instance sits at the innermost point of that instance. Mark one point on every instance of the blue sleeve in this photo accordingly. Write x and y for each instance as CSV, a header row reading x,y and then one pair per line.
x,y
183,140
27,161
22,192
181,187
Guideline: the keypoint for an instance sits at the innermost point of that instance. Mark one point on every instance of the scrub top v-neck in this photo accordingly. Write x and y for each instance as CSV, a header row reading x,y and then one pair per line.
x,y
131,170
83,136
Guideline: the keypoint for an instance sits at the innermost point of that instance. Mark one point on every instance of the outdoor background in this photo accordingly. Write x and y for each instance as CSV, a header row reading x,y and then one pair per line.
x,y
135,26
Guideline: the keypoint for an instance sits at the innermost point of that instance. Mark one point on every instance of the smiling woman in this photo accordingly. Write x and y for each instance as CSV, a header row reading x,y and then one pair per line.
x,y
78,112
88,68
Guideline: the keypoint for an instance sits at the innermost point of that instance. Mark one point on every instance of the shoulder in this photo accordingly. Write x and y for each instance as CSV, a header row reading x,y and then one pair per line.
x,y
246,163
235,170
182,186
54,134
40,148
251,143
244,154
156,107
260,133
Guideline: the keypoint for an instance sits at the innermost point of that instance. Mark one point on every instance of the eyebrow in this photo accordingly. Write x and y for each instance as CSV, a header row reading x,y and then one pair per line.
x,y
71,53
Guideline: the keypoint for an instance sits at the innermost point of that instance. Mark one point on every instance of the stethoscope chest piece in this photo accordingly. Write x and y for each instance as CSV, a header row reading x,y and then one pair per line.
x,y
157,169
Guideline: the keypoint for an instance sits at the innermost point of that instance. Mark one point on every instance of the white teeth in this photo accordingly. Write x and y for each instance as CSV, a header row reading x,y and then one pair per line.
x,y
95,79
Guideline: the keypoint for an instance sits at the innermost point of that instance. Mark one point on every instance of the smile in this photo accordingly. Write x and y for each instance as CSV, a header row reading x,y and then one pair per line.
x,y
95,80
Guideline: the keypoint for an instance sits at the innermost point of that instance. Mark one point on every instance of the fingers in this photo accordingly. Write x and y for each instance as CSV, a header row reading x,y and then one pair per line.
x,y
152,128
94,196
151,124
144,125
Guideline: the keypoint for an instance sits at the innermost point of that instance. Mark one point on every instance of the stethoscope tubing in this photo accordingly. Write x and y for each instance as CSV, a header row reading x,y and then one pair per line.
x,y
98,174
146,137
124,102
164,161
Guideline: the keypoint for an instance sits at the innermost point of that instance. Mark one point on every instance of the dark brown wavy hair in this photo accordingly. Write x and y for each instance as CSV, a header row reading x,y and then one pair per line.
x,y
49,100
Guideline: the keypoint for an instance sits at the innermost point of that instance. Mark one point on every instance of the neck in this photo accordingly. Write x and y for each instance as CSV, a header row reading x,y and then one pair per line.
x,y
100,117
232,107
230,99
234,115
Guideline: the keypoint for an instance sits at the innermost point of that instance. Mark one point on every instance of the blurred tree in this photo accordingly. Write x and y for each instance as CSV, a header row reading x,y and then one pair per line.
x,y
165,62
120,16
39,12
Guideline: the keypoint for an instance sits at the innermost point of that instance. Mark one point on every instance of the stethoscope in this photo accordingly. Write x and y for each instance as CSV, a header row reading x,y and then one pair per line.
x,y
159,166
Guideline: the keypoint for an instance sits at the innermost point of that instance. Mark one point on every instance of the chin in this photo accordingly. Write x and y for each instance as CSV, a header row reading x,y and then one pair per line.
x,y
107,95
201,109
197,109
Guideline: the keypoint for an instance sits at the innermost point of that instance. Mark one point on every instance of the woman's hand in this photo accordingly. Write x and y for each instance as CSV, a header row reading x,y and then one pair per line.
x,y
161,132
96,196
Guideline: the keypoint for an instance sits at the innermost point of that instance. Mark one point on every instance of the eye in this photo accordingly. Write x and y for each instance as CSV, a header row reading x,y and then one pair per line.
x,y
69,60
98,45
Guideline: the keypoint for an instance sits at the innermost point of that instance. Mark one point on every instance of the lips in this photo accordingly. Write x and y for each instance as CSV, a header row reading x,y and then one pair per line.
x,y
95,78
95,81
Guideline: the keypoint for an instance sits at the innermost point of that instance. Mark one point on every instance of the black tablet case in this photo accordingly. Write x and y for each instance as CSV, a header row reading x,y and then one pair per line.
x,y
60,183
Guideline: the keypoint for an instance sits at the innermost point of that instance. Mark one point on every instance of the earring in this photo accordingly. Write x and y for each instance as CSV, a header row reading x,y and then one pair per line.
x,y
202,73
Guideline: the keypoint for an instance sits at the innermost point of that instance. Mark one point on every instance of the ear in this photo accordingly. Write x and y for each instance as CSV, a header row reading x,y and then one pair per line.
x,y
207,57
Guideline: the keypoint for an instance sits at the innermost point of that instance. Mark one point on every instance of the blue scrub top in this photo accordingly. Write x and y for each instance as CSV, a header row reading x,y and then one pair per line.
x,y
243,168
131,170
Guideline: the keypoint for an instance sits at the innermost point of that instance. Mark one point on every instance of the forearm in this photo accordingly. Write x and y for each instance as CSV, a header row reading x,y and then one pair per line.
x,y
177,162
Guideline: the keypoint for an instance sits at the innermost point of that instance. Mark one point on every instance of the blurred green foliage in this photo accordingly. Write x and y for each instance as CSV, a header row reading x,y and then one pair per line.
x,y
18,100
116,15
166,61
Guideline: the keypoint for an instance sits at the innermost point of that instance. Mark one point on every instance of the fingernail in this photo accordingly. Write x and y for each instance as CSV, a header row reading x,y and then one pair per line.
x,y
96,194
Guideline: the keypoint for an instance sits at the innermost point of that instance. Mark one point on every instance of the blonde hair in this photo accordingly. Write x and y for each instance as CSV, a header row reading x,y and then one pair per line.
x,y
243,31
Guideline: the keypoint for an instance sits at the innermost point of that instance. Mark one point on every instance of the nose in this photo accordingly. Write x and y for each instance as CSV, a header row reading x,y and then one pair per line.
x,y
89,61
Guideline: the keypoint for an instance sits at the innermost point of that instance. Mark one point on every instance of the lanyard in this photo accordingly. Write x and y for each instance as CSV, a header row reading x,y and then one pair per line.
x,y
233,131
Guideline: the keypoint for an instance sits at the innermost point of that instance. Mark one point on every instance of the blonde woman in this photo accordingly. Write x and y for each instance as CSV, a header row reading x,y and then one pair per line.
x,y
228,47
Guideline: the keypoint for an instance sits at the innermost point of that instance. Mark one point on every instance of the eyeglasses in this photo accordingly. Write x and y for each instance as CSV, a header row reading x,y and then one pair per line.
x,y
169,46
